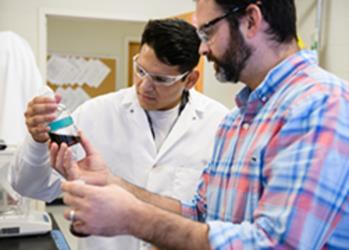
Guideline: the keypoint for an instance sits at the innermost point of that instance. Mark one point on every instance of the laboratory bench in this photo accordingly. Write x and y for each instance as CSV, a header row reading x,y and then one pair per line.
x,y
54,240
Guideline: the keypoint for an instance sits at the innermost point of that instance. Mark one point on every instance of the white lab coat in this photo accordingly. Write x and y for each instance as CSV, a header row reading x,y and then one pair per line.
x,y
117,126
20,80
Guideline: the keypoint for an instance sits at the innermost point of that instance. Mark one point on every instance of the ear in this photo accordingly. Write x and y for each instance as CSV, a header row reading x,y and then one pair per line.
x,y
252,21
191,79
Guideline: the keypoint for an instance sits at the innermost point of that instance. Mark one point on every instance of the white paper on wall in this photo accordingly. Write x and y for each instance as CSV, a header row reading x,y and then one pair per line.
x,y
76,70
96,72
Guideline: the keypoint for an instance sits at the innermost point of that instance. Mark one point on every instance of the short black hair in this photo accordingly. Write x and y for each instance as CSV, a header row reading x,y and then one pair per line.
x,y
279,14
174,41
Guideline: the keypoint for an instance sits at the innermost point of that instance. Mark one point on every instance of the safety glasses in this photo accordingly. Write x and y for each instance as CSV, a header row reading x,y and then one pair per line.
x,y
157,79
205,31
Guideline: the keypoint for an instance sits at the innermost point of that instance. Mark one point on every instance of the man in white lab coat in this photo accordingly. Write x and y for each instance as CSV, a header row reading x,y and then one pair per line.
x,y
19,81
157,134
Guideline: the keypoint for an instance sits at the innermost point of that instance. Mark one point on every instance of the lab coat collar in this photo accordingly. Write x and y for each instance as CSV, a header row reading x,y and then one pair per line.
x,y
197,106
184,122
130,98
193,112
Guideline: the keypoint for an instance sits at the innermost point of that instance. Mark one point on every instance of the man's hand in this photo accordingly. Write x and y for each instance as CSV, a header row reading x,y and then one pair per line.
x,y
92,169
106,210
111,210
40,112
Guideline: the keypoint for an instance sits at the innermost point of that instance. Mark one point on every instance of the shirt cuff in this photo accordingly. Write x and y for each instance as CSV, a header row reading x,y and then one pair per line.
x,y
188,211
223,235
34,152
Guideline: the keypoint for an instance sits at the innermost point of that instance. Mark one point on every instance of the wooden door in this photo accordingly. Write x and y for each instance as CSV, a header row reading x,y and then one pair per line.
x,y
133,49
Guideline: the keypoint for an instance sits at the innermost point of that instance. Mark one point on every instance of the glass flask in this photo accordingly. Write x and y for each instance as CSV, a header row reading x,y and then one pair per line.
x,y
62,129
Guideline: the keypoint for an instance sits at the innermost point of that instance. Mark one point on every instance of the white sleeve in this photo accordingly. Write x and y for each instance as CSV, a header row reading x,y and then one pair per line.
x,y
31,174
20,80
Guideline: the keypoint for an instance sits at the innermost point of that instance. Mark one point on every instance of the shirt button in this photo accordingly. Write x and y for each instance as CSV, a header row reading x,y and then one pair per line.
x,y
264,99
245,125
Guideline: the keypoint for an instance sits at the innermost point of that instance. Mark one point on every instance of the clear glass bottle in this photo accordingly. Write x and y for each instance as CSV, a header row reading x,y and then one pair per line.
x,y
62,129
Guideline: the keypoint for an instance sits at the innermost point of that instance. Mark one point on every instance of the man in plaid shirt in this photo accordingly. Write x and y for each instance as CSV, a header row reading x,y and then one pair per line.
x,y
279,174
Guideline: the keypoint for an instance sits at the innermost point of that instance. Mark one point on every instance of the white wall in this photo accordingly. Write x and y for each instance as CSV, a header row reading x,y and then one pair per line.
x,y
107,37
223,92
91,37
334,54
22,17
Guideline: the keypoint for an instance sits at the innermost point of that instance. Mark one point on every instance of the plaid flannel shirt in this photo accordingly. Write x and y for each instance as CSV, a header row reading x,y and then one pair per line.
x,y
279,174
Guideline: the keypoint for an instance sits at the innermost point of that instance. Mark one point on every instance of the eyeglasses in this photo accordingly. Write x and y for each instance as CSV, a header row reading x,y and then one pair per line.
x,y
204,32
157,79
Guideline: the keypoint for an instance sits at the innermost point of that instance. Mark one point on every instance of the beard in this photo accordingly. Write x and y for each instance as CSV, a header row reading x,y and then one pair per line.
x,y
229,67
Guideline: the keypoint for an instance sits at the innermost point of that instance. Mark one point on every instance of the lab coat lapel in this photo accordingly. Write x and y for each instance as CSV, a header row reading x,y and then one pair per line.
x,y
183,123
138,123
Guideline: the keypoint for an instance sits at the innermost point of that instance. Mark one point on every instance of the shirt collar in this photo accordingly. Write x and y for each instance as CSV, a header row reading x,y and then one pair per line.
x,y
195,103
276,78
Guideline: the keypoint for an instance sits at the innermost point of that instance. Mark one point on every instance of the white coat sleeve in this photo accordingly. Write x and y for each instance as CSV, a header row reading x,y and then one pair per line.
x,y
20,81
31,174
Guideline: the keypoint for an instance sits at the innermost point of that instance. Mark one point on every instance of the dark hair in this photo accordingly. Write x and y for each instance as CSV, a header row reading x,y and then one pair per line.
x,y
174,41
279,14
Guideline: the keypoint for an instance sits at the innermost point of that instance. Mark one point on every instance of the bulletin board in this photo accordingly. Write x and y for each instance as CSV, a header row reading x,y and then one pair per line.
x,y
107,85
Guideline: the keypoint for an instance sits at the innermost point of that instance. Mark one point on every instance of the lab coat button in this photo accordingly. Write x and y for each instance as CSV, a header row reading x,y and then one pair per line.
x,y
131,110
194,118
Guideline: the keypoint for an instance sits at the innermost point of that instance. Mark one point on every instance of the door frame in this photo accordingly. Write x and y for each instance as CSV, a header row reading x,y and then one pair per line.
x,y
44,13
128,40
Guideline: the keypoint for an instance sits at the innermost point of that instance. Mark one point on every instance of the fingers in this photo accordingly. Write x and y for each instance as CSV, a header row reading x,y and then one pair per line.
x,y
56,156
70,166
89,149
62,161
77,227
75,199
68,214
60,158
93,207
58,97
39,134
75,188
76,206
40,111
94,178
35,119
71,215
40,106
53,153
